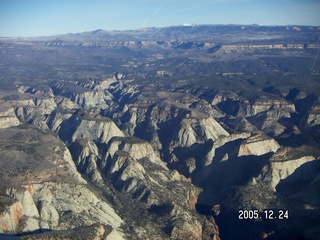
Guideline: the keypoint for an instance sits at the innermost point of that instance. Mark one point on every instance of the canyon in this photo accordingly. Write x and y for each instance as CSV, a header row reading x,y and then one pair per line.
x,y
161,133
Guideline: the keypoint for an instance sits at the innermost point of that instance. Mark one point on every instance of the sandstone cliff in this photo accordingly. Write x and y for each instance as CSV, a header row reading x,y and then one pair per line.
x,y
258,145
47,191
8,118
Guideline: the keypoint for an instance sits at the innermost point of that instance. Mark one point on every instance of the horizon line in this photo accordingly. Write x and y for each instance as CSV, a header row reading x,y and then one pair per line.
x,y
154,27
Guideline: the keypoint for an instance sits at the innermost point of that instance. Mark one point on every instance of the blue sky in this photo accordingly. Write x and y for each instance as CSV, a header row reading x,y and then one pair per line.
x,y
48,17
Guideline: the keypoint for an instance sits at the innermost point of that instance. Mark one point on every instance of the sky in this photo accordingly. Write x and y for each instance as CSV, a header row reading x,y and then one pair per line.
x,y
49,17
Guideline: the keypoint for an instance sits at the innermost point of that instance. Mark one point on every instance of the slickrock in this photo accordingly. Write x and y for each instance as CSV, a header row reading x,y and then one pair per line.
x,y
285,162
90,99
16,217
9,219
8,118
134,169
209,158
41,90
65,103
83,96
99,129
27,108
197,130
76,206
56,118
86,155
210,229
185,226
47,191
135,147
268,121
78,124
264,104
211,129
105,84
258,145
204,120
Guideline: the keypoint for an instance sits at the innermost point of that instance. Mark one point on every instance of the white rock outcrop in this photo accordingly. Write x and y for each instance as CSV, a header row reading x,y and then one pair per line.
x,y
284,163
55,206
85,155
76,202
282,170
8,118
136,148
90,99
258,145
194,130
96,129
9,219
220,142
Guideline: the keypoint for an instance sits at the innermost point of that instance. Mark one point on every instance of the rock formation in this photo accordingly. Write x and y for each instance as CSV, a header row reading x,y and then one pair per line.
x,y
47,191
161,133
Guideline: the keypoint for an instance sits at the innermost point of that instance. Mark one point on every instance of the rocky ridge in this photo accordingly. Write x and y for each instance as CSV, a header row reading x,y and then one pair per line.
x,y
182,131
100,154
101,151
47,191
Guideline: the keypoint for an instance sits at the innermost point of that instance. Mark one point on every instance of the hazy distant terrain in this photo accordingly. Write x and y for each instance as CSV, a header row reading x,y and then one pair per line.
x,y
162,133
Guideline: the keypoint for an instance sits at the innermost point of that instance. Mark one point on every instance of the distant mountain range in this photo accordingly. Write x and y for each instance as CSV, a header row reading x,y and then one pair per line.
x,y
213,33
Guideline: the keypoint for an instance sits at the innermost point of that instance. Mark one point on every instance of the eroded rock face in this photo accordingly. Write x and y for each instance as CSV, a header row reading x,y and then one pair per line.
x,y
167,142
258,145
57,207
8,118
284,163
135,147
85,95
264,104
130,163
80,207
26,108
198,130
30,212
101,129
137,171
47,191
10,218
86,157
64,103
104,156
209,158
76,124
185,227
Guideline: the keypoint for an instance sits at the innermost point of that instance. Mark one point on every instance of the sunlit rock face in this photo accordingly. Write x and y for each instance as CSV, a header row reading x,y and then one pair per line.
x,y
8,118
47,192
75,124
258,145
284,163
193,131
135,169
54,200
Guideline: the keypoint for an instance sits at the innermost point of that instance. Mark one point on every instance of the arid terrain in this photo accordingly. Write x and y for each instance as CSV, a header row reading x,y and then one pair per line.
x,y
161,133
